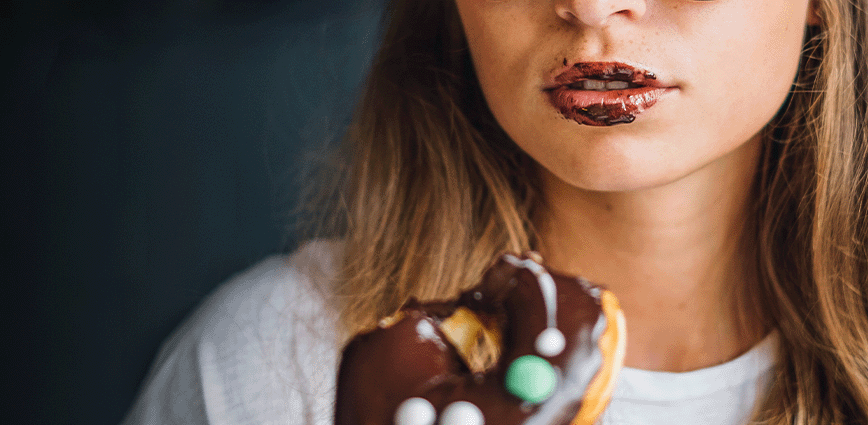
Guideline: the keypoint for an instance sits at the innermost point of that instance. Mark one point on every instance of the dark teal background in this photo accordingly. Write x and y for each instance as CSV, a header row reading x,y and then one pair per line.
x,y
151,150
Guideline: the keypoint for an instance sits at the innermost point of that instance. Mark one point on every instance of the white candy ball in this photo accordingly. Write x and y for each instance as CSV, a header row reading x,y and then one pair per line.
x,y
462,413
550,342
415,411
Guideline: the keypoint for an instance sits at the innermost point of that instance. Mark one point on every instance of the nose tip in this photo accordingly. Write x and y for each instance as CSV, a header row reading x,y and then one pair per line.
x,y
598,13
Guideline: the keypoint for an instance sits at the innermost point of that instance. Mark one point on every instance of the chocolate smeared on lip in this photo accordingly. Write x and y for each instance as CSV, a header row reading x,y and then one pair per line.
x,y
606,71
594,93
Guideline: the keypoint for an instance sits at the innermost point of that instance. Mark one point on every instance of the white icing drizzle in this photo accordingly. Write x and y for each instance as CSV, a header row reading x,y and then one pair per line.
x,y
426,331
583,365
551,341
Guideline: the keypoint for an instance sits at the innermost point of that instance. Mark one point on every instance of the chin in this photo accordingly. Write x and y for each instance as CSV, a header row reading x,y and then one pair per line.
x,y
617,182
617,170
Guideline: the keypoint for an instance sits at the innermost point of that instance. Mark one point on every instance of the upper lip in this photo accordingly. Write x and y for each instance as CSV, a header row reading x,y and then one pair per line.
x,y
607,71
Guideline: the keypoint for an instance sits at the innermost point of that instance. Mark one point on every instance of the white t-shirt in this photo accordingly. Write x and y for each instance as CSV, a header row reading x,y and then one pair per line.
x,y
263,349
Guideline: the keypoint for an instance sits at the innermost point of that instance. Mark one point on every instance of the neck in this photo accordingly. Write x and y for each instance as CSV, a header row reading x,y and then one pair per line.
x,y
675,255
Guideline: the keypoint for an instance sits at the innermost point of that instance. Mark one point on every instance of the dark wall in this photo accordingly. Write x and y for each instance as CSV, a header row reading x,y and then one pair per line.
x,y
151,150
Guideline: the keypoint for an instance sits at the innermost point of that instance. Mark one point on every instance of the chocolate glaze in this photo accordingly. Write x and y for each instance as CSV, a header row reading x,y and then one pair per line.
x,y
382,368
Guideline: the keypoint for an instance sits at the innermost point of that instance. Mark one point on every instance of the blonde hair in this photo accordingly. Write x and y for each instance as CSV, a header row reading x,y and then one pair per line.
x,y
813,228
432,193
433,189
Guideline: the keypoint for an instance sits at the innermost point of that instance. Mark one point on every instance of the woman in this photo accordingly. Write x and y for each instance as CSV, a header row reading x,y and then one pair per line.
x,y
706,160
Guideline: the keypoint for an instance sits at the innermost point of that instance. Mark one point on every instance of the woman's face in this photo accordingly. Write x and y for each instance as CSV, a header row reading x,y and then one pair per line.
x,y
630,94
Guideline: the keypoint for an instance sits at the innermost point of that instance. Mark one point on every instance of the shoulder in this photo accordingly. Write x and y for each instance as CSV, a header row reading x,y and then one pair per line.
x,y
261,348
297,286
260,301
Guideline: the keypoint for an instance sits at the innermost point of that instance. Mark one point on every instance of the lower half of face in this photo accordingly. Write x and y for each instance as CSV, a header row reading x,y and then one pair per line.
x,y
626,94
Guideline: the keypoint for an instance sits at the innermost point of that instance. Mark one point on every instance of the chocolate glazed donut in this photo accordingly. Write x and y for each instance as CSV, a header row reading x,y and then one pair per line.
x,y
525,346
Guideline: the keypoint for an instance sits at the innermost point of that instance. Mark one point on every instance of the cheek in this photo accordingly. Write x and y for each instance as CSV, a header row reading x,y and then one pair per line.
x,y
752,65
504,43
493,32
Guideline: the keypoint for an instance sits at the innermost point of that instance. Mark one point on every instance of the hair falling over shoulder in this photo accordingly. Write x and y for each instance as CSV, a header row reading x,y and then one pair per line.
x,y
432,189
812,226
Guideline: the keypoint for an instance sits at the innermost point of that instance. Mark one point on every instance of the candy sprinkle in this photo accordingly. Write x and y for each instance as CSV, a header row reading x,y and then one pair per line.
x,y
531,378
462,413
415,411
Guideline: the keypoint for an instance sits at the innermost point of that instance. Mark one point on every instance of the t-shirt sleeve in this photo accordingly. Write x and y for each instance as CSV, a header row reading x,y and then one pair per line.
x,y
261,350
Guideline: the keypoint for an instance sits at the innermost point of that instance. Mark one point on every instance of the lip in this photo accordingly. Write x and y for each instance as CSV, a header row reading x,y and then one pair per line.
x,y
604,108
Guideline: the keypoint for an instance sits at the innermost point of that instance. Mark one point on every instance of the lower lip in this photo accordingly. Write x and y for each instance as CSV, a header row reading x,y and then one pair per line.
x,y
604,108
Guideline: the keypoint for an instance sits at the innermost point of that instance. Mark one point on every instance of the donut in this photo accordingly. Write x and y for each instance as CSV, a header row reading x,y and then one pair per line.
x,y
524,346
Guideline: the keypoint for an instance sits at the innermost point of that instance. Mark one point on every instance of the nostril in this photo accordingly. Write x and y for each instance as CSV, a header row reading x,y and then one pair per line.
x,y
567,15
597,13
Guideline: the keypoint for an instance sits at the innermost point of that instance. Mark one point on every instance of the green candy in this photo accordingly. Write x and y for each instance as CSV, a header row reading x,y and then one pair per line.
x,y
531,378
